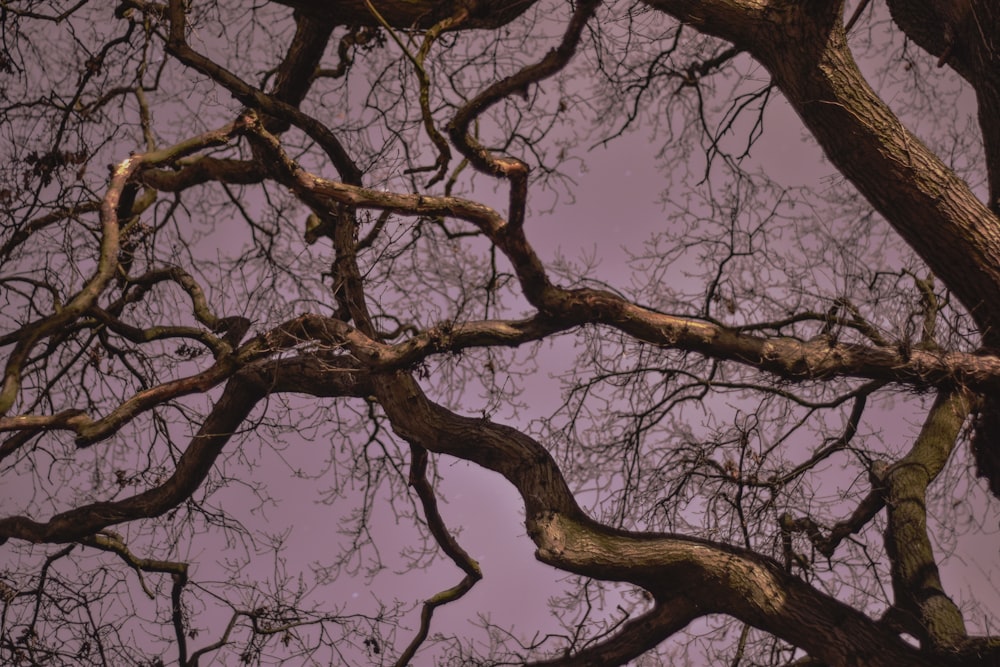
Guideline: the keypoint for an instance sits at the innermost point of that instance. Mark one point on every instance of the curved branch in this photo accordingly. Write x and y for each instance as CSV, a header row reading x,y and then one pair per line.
x,y
714,577
322,376
254,97
449,545
563,309
915,579
635,637
513,169
107,261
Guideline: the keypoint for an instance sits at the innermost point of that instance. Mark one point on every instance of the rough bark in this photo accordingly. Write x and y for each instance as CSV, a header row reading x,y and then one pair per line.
x,y
919,593
705,577
931,208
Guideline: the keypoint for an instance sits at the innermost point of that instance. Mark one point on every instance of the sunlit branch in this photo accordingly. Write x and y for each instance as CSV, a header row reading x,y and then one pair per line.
x,y
89,433
107,261
205,355
901,487
139,285
786,357
315,189
160,332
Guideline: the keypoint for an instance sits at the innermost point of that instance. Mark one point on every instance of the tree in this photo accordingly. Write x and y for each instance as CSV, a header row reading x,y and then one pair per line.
x,y
321,222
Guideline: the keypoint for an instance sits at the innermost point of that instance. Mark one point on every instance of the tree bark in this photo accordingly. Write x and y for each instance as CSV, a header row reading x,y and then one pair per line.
x,y
926,203
709,577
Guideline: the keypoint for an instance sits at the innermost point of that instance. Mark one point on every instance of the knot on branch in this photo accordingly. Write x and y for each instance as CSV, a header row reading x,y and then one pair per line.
x,y
548,533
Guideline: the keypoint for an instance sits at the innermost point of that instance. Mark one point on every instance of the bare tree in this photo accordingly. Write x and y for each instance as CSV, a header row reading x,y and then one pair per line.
x,y
317,246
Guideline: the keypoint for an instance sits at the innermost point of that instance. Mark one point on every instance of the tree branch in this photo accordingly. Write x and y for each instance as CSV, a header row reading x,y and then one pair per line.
x,y
715,577
635,637
915,580
324,376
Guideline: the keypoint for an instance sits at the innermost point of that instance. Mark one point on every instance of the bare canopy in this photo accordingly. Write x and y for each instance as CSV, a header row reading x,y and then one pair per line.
x,y
323,250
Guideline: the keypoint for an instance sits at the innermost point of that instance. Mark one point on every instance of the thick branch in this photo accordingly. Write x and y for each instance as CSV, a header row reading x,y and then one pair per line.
x,y
964,34
714,577
932,209
202,169
787,358
915,579
564,309
295,73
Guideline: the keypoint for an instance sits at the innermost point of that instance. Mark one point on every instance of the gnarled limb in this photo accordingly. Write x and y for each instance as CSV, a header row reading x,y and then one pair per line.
x,y
714,577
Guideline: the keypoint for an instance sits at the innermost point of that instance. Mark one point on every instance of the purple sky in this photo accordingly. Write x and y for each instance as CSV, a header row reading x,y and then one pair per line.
x,y
624,195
